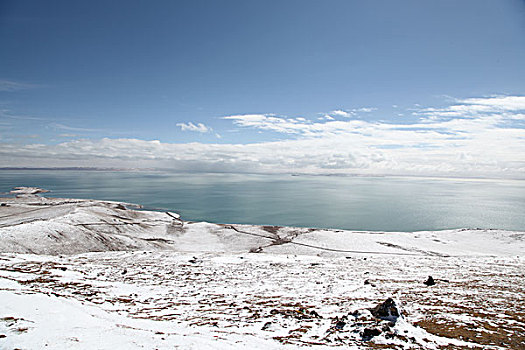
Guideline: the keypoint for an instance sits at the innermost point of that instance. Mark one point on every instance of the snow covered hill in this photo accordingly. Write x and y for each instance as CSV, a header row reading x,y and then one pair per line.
x,y
38,225
86,274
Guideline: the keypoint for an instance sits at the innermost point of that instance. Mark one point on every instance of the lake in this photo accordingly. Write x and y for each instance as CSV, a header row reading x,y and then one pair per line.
x,y
354,203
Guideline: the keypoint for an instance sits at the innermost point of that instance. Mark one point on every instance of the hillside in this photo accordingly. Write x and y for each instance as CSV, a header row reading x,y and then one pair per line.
x,y
97,274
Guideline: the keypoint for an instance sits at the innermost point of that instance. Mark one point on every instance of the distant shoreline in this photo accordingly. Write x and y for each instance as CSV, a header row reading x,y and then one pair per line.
x,y
77,169
294,174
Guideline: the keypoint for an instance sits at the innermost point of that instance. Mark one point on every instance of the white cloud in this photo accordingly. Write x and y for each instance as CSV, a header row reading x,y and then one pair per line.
x,y
340,113
4,113
509,103
71,128
269,122
10,85
365,109
474,107
351,112
488,141
199,127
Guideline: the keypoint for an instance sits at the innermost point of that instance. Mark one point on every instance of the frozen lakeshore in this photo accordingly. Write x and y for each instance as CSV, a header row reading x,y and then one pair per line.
x,y
94,274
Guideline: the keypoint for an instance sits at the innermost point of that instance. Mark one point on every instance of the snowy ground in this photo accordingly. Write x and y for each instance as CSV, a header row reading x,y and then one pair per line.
x,y
160,282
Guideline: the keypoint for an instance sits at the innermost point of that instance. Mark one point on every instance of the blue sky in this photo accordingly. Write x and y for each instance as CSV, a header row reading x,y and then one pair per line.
x,y
217,85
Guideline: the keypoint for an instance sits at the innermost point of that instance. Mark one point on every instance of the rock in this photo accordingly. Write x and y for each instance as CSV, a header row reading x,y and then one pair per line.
x,y
266,326
430,281
387,310
369,333
315,314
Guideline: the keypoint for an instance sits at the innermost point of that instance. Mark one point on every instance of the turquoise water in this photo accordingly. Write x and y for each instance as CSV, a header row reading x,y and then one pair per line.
x,y
358,203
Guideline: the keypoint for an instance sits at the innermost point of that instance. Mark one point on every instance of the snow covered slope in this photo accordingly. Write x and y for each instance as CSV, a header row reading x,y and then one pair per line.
x,y
33,224
101,275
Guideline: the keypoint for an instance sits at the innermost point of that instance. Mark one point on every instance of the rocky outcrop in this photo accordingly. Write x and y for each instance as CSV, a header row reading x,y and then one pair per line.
x,y
386,310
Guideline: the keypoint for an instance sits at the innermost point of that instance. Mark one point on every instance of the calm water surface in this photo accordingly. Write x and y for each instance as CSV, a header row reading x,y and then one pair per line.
x,y
358,203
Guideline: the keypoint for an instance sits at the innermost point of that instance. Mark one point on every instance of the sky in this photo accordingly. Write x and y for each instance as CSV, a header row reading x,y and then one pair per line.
x,y
430,88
